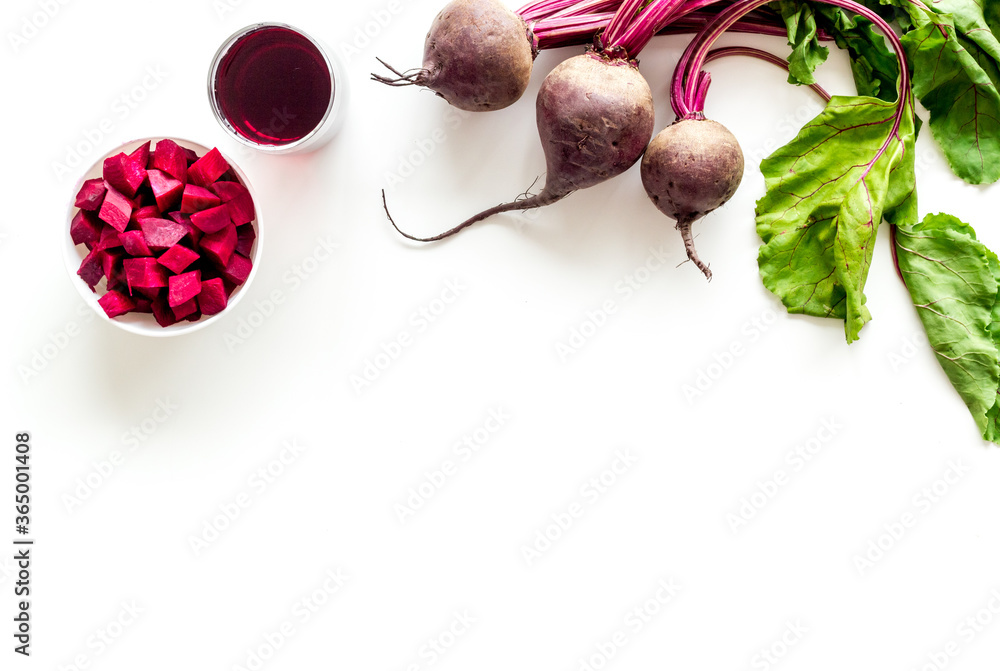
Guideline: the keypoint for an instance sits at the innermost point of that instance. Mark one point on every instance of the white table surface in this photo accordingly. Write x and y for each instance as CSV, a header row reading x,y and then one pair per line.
x,y
454,573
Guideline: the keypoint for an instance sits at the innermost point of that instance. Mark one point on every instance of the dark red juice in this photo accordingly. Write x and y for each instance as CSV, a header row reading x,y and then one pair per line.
x,y
273,86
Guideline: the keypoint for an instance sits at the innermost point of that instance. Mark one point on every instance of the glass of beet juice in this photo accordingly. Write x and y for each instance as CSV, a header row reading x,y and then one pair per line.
x,y
276,89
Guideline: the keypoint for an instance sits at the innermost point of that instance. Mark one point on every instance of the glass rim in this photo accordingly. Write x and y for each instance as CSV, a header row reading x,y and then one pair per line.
x,y
213,70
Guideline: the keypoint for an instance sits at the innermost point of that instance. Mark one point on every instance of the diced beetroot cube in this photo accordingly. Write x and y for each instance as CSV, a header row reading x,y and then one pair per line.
x,y
112,266
110,238
116,208
91,194
212,299
144,198
145,272
142,304
190,154
240,203
162,233
212,220
135,243
140,156
85,229
177,258
194,316
171,159
116,303
145,212
193,234
207,169
162,312
185,309
238,269
124,174
119,287
209,270
197,198
152,293
92,269
183,287
219,246
245,235
166,189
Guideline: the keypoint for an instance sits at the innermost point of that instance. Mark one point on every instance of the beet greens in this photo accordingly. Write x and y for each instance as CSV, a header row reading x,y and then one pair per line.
x,y
828,190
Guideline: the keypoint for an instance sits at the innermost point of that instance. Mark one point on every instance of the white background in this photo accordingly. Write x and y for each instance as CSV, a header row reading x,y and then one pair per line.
x,y
527,281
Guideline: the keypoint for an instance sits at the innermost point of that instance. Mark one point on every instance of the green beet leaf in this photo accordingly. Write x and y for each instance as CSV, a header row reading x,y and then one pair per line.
x,y
953,281
955,76
970,20
873,64
807,53
827,192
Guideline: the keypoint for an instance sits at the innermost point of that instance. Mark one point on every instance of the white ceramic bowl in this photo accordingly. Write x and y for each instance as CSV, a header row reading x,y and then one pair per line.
x,y
142,323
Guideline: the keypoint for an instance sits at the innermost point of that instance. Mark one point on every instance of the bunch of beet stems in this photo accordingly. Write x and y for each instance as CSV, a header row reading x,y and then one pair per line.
x,y
560,23
478,54
690,83
766,56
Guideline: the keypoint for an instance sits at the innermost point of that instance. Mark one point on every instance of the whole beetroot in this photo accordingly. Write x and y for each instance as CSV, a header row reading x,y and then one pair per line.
x,y
477,56
689,169
594,117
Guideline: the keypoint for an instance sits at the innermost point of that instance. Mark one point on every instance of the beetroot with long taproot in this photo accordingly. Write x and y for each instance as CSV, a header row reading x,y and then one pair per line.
x,y
594,116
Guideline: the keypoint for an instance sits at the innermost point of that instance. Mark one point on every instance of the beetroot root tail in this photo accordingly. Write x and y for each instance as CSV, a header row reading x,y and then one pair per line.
x,y
685,229
539,200
412,77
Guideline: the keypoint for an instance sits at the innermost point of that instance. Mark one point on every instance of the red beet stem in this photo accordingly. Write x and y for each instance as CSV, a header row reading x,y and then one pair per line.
x,y
716,54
